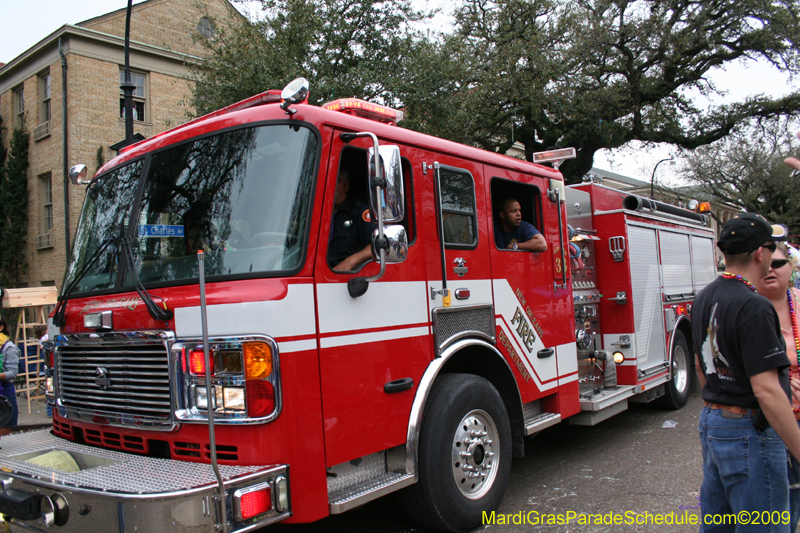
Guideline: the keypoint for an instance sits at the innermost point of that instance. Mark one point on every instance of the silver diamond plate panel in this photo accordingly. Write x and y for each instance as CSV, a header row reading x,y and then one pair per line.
x,y
353,493
531,410
453,323
349,474
132,474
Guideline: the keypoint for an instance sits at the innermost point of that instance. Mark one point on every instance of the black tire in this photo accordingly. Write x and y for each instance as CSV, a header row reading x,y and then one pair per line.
x,y
677,392
460,407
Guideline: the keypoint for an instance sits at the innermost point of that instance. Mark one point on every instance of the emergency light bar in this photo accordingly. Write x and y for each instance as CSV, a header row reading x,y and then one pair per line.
x,y
554,155
364,109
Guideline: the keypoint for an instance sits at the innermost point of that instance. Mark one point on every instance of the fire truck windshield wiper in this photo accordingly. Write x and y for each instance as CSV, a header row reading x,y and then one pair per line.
x,y
59,319
155,311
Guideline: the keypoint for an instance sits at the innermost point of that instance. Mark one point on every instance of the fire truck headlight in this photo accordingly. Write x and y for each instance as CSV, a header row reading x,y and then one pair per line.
x,y
257,360
200,398
619,358
233,398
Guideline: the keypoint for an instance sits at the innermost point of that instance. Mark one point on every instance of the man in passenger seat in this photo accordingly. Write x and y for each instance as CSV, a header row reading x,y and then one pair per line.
x,y
350,239
513,233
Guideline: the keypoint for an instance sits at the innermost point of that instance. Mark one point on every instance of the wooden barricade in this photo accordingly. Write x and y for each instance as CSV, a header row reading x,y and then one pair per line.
x,y
32,303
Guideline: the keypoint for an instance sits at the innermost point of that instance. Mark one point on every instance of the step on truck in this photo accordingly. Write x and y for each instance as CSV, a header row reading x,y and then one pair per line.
x,y
214,372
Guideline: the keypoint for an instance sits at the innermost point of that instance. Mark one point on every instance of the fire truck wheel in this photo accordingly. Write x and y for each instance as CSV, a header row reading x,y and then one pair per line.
x,y
464,455
678,387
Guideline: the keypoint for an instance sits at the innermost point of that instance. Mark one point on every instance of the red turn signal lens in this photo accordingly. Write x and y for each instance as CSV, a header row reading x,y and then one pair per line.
x,y
197,362
260,398
255,503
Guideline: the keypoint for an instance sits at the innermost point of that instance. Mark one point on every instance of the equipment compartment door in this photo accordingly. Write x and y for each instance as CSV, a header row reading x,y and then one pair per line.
x,y
647,306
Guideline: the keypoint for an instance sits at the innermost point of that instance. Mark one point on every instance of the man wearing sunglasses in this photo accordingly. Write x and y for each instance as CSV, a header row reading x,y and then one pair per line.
x,y
743,367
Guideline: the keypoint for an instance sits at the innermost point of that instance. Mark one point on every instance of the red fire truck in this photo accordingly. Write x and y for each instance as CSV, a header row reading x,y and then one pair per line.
x,y
214,372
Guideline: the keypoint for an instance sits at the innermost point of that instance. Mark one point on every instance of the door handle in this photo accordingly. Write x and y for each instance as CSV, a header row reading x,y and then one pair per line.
x,y
398,385
547,352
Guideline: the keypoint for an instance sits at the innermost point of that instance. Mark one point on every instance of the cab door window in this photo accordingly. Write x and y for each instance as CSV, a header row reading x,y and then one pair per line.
x,y
528,208
351,228
458,208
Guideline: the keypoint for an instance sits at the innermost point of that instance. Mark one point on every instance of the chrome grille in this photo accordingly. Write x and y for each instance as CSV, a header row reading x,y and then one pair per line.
x,y
123,375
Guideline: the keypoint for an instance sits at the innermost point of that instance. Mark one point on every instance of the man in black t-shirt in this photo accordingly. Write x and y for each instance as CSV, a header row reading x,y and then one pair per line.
x,y
350,242
742,365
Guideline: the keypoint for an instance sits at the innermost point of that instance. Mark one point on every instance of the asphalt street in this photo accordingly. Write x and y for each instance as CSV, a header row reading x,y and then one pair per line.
x,y
627,464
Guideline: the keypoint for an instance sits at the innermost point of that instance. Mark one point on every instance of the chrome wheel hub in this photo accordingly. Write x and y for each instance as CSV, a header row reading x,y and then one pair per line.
x,y
474,458
680,369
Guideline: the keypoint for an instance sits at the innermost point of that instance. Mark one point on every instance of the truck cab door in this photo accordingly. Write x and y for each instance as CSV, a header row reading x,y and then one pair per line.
x,y
373,348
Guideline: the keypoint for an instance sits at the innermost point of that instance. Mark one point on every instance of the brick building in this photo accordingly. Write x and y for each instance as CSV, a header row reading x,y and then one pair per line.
x,y
164,44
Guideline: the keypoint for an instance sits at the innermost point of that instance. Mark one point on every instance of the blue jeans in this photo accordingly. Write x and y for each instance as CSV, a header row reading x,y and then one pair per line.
x,y
794,494
8,390
743,470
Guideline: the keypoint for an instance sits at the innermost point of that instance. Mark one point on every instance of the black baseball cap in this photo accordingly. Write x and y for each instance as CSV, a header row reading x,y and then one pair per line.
x,y
747,232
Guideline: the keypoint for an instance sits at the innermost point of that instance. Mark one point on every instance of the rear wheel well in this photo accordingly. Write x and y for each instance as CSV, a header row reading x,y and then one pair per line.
x,y
481,361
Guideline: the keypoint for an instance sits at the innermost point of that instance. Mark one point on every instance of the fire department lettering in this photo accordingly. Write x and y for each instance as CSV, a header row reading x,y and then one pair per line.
x,y
514,356
524,330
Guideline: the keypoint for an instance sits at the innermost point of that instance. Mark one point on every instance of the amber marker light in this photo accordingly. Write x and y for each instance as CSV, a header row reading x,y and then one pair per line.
x,y
705,207
257,360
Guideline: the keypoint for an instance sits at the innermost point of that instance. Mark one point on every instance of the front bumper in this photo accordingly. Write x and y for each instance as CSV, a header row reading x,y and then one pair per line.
x,y
116,492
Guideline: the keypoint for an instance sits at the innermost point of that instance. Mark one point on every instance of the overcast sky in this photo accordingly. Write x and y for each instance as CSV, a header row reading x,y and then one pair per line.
x,y
23,24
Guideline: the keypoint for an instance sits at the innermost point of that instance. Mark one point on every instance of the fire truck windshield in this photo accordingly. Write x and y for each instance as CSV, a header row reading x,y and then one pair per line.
x,y
242,196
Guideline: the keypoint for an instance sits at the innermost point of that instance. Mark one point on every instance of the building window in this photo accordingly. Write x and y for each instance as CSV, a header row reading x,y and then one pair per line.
x,y
19,108
42,130
206,28
47,202
139,96
44,91
45,237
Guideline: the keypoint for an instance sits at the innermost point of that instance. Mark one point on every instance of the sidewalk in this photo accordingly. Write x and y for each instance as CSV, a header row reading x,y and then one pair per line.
x,y
38,414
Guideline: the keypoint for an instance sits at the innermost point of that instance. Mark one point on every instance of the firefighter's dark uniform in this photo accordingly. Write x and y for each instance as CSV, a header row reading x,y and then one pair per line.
x,y
351,231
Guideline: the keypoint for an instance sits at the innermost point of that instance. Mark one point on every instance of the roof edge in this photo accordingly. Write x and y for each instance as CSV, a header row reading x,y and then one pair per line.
x,y
78,31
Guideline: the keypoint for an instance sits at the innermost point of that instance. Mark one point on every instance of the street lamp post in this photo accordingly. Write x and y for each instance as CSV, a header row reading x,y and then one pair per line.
x,y
127,86
671,159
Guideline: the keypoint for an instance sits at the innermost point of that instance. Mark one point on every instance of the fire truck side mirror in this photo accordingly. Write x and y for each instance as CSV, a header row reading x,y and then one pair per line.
x,y
77,175
390,180
294,93
395,244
